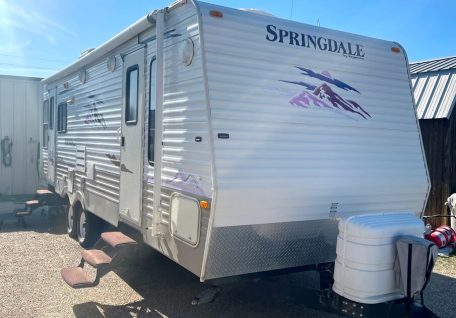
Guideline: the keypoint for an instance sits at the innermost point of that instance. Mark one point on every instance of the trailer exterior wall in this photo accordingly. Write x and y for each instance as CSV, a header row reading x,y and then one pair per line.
x,y
93,121
20,113
186,163
44,156
292,163
94,127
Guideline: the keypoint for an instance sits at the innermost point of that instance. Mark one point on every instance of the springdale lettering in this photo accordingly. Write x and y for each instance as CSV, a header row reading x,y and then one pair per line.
x,y
316,42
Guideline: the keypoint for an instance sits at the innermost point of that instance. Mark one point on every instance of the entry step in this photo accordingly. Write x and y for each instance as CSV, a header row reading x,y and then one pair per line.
x,y
76,277
96,257
117,238
118,246
32,202
22,213
43,191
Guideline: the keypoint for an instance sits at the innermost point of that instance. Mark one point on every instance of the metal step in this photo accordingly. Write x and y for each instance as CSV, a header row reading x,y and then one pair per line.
x,y
43,192
32,202
76,277
96,257
32,205
116,239
20,213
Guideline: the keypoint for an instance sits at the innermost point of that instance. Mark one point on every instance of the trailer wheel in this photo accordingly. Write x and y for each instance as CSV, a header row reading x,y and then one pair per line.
x,y
71,220
87,228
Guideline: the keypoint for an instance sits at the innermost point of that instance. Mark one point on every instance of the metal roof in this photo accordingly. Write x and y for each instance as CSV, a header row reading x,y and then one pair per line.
x,y
21,78
445,63
434,87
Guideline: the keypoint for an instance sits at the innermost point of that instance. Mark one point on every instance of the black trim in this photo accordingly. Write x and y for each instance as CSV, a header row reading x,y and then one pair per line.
x,y
45,124
409,269
62,118
430,266
151,132
51,113
127,94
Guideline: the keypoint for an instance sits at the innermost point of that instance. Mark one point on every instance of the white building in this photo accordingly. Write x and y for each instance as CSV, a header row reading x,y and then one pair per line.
x,y
19,134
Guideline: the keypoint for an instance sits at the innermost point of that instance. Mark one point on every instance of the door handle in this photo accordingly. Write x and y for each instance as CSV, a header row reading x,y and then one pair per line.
x,y
122,141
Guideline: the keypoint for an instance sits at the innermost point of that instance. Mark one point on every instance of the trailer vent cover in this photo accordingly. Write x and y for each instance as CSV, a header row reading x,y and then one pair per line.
x,y
82,76
188,51
111,63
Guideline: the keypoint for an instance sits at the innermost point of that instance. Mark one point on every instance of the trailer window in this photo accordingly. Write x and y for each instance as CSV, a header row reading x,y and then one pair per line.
x,y
152,91
62,118
51,113
45,123
131,107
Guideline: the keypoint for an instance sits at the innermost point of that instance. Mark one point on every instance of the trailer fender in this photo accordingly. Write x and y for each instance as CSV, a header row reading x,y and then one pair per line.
x,y
76,197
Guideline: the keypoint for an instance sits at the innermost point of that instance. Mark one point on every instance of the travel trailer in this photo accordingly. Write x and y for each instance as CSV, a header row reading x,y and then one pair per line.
x,y
235,142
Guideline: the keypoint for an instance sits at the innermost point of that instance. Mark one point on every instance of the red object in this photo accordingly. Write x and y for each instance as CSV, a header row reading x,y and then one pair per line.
x,y
442,236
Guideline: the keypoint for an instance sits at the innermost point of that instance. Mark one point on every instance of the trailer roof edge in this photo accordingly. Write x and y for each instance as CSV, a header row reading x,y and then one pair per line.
x,y
137,27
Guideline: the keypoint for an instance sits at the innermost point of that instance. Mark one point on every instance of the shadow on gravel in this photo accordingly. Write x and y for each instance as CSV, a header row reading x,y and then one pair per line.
x,y
168,289
439,296
41,221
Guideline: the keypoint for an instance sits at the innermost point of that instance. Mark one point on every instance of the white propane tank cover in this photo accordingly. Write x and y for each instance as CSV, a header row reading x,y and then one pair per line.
x,y
366,252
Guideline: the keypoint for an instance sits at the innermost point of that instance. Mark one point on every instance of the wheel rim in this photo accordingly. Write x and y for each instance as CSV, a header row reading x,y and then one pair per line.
x,y
82,226
70,219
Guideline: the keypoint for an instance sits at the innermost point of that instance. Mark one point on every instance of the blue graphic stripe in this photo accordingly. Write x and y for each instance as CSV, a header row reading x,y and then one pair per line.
x,y
332,81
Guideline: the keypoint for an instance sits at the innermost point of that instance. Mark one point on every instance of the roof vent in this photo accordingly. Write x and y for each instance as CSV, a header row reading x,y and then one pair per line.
x,y
85,52
257,11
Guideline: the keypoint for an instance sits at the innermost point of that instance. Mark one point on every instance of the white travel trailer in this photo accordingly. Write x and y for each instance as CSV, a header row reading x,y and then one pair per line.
x,y
233,141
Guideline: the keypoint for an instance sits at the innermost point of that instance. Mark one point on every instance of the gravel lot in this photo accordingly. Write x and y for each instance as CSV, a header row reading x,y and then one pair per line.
x,y
30,283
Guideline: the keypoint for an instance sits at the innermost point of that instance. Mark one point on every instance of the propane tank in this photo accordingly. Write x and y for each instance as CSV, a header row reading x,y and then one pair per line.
x,y
442,236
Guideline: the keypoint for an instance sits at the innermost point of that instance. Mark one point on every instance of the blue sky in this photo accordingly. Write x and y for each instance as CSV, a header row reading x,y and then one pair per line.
x,y
39,37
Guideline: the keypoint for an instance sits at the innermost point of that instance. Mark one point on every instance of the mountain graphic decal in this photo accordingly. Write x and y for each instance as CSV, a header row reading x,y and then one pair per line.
x,y
324,97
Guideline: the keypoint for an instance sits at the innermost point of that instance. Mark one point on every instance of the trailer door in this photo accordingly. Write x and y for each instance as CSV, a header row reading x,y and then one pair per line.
x,y
51,138
131,140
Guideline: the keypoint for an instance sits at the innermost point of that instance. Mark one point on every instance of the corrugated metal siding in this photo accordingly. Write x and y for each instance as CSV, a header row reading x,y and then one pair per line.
x,y
184,118
105,91
20,114
93,122
434,93
433,65
44,163
184,115
284,163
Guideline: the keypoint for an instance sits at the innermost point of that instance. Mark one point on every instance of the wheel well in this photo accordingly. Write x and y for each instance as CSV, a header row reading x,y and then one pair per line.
x,y
77,206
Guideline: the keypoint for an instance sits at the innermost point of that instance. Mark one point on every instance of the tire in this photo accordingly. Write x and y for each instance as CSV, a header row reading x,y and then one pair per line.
x,y
87,229
71,213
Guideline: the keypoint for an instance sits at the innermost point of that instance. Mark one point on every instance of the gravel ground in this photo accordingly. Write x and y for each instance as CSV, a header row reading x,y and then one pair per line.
x,y
31,286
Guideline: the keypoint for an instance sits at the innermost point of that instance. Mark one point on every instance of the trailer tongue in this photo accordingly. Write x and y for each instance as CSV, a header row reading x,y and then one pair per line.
x,y
382,258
